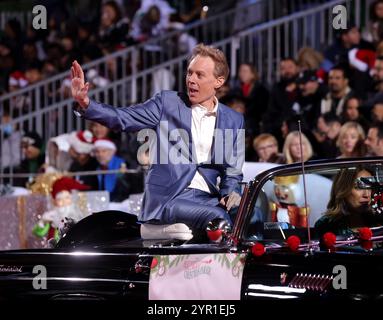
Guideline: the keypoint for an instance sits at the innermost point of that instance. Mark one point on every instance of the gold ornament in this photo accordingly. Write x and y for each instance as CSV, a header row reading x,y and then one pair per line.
x,y
43,183
286,180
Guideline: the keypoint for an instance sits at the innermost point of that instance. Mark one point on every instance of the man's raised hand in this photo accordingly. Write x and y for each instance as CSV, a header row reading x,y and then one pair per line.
x,y
79,87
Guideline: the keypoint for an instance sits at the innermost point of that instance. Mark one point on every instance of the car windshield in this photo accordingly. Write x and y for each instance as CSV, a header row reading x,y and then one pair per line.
x,y
339,198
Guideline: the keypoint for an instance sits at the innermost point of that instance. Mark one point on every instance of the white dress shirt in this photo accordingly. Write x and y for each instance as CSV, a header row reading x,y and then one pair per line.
x,y
202,128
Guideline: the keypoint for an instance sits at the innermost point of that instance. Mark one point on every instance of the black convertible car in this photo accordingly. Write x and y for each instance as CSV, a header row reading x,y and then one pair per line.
x,y
273,251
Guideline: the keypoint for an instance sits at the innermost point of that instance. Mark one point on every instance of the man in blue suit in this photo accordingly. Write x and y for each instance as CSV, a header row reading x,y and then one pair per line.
x,y
197,163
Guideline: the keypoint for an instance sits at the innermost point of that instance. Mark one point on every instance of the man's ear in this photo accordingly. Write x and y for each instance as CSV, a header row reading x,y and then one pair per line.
x,y
219,82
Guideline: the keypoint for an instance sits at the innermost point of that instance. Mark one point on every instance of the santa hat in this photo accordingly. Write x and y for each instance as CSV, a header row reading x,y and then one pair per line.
x,y
105,144
67,184
81,141
362,59
18,79
321,74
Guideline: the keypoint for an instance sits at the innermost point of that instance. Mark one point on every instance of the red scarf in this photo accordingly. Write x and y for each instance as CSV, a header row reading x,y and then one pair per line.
x,y
246,89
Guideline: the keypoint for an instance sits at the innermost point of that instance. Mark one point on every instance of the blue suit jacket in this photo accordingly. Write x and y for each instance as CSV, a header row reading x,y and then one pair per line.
x,y
164,113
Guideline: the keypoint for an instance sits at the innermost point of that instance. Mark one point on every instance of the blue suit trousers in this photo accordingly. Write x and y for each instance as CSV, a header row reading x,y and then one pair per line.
x,y
195,208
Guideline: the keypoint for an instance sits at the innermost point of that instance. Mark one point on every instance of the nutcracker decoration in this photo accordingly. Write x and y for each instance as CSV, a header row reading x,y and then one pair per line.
x,y
289,206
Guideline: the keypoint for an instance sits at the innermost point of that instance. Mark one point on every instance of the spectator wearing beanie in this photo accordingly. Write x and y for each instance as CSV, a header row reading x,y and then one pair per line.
x,y
32,149
310,95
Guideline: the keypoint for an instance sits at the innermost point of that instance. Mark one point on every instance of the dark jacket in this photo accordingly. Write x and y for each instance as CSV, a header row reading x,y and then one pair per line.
x,y
91,165
28,166
310,106
344,222
280,108
256,102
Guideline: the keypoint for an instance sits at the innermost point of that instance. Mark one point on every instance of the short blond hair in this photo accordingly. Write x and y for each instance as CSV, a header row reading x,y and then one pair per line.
x,y
221,68
262,138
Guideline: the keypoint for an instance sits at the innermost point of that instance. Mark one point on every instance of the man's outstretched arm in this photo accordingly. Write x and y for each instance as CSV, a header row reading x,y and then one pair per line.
x,y
131,118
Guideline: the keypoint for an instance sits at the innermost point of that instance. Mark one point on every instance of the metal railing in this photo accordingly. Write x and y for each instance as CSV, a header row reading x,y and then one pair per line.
x,y
134,59
24,17
264,45
20,10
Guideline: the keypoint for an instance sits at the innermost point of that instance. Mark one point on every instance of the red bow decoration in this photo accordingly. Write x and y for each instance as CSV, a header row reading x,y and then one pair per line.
x,y
214,235
258,249
329,239
365,233
154,263
293,242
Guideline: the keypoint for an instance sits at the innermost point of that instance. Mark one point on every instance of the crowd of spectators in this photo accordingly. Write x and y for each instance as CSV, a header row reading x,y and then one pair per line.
x,y
336,96
88,30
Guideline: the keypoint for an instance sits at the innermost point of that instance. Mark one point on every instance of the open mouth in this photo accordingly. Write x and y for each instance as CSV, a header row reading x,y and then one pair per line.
x,y
192,91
